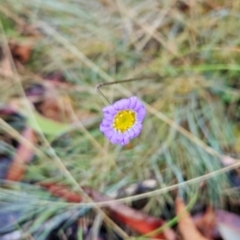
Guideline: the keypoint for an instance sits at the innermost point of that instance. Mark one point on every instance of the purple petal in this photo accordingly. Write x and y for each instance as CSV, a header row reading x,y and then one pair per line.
x,y
133,102
126,103
138,105
126,138
109,116
113,139
104,128
106,122
141,114
131,133
120,137
121,104
137,128
109,133
109,110
116,138
123,143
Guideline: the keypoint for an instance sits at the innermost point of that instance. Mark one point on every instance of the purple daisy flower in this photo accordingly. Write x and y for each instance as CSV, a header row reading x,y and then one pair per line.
x,y
122,120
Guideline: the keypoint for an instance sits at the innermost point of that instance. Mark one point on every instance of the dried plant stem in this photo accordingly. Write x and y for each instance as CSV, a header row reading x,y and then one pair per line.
x,y
100,85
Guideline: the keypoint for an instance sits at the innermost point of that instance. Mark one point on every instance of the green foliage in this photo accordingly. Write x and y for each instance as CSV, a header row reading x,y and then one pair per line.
x,y
195,55
46,125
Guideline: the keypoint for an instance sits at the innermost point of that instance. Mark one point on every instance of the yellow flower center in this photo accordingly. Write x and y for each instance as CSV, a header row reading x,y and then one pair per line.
x,y
124,120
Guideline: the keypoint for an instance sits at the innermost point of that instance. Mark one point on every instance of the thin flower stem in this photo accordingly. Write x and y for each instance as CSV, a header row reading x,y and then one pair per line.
x,y
98,86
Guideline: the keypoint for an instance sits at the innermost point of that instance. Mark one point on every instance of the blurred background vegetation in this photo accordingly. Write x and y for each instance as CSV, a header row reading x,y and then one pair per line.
x,y
189,53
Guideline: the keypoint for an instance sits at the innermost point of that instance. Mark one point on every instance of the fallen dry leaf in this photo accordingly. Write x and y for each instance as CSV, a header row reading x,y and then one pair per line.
x,y
62,191
23,156
60,109
206,223
56,108
48,102
20,53
137,220
186,225
182,6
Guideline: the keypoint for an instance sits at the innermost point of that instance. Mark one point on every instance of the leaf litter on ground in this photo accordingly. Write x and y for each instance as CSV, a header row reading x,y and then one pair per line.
x,y
172,37
137,220
186,225
22,157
